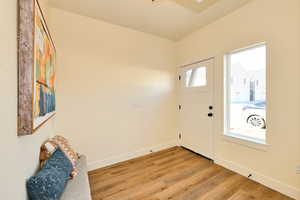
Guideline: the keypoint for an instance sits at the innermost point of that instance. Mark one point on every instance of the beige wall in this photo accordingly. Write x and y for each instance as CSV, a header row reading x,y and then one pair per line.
x,y
115,87
277,23
19,155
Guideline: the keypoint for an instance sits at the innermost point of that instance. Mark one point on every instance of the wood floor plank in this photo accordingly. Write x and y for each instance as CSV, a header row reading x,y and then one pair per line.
x,y
152,176
196,185
224,190
140,172
174,174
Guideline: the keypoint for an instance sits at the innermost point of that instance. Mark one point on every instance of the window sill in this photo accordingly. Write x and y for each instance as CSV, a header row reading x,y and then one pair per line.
x,y
245,141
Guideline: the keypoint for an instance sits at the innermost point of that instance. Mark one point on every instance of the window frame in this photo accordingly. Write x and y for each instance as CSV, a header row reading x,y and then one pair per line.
x,y
234,137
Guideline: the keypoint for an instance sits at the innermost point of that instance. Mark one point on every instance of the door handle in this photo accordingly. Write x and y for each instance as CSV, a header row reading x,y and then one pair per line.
x,y
210,114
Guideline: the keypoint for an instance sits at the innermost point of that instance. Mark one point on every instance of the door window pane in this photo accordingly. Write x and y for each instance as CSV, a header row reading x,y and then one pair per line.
x,y
196,77
246,95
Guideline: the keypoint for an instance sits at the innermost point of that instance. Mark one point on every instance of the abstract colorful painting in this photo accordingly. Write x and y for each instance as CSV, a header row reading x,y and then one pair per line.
x,y
37,58
44,99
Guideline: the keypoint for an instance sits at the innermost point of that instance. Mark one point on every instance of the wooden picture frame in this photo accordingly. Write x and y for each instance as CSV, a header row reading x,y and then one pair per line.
x,y
36,69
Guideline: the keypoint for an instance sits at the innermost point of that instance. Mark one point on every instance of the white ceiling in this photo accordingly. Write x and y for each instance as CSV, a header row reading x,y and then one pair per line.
x,y
164,18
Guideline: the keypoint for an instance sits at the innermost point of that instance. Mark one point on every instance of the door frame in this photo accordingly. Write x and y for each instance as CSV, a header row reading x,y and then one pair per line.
x,y
214,101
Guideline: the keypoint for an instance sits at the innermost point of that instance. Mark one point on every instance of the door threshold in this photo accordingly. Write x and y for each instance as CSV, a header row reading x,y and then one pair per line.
x,y
197,154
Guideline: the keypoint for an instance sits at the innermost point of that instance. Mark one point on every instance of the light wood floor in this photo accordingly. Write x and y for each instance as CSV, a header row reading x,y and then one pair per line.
x,y
174,174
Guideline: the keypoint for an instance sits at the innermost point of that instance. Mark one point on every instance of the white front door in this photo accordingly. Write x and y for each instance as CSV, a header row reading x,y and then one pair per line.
x,y
196,112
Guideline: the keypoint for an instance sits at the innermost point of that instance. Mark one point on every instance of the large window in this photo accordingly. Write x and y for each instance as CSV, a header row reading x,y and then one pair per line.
x,y
245,100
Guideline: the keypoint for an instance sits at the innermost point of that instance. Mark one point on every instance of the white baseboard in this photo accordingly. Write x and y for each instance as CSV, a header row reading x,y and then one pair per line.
x,y
276,185
129,155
